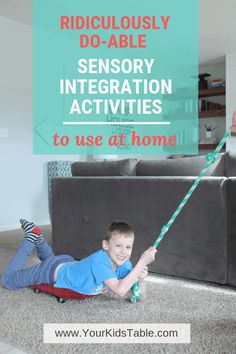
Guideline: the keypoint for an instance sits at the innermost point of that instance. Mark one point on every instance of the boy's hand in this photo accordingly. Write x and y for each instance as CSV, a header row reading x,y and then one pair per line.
x,y
148,256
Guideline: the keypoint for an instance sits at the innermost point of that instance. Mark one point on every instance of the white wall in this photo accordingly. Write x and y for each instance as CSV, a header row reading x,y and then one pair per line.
x,y
23,176
230,96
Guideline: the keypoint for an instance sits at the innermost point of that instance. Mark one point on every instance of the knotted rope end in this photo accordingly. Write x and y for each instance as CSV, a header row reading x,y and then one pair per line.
x,y
211,157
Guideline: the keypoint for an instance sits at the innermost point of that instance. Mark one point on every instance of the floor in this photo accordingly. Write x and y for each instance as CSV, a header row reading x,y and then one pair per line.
x,y
221,315
8,349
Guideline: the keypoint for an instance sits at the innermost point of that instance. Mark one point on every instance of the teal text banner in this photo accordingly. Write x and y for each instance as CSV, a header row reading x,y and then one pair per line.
x,y
115,77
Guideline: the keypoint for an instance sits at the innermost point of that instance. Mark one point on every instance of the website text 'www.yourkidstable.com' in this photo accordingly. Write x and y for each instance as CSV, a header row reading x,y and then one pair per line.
x,y
116,333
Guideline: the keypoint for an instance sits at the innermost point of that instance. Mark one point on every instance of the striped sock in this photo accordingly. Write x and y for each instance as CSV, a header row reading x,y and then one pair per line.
x,y
32,233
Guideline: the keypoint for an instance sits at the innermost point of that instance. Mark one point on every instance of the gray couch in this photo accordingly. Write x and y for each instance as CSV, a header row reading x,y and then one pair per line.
x,y
201,244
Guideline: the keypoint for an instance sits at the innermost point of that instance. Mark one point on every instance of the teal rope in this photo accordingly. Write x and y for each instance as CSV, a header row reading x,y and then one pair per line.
x,y
211,158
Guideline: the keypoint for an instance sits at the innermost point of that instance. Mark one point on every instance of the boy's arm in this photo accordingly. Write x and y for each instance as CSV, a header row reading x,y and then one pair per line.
x,y
121,287
143,288
142,285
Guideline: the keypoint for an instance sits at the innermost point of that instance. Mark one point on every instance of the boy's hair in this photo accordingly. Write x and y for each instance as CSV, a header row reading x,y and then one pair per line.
x,y
118,227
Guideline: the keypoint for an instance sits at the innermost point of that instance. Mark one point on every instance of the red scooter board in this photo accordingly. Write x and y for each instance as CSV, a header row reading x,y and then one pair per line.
x,y
61,294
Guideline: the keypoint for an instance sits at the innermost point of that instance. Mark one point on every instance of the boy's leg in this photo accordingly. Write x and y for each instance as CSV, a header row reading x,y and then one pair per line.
x,y
14,276
25,249
44,251
18,260
20,257
42,273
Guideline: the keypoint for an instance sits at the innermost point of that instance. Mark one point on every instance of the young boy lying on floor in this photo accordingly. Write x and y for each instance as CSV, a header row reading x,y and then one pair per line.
x,y
108,268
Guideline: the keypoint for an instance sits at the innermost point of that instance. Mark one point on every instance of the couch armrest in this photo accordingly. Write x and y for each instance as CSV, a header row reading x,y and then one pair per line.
x,y
231,244
195,245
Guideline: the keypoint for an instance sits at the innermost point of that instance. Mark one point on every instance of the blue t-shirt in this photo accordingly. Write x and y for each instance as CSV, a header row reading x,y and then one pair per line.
x,y
88,275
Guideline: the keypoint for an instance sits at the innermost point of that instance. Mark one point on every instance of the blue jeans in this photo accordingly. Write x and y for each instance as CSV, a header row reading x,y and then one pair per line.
x,y
15,276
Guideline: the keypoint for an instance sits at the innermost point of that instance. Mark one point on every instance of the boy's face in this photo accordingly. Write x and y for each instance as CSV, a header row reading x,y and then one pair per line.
x,y
119,247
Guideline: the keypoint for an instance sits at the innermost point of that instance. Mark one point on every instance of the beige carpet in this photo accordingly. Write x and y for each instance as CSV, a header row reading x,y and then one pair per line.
x,y
210,309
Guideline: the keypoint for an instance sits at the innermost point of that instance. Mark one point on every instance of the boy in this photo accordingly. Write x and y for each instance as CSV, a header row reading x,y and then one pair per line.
x,y
108,268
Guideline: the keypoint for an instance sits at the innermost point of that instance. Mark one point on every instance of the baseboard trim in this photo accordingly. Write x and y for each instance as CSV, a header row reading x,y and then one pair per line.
x,y
17,226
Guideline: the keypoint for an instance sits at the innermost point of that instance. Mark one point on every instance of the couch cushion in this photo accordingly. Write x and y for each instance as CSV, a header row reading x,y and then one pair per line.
x,y
187,166
230,164
126,167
